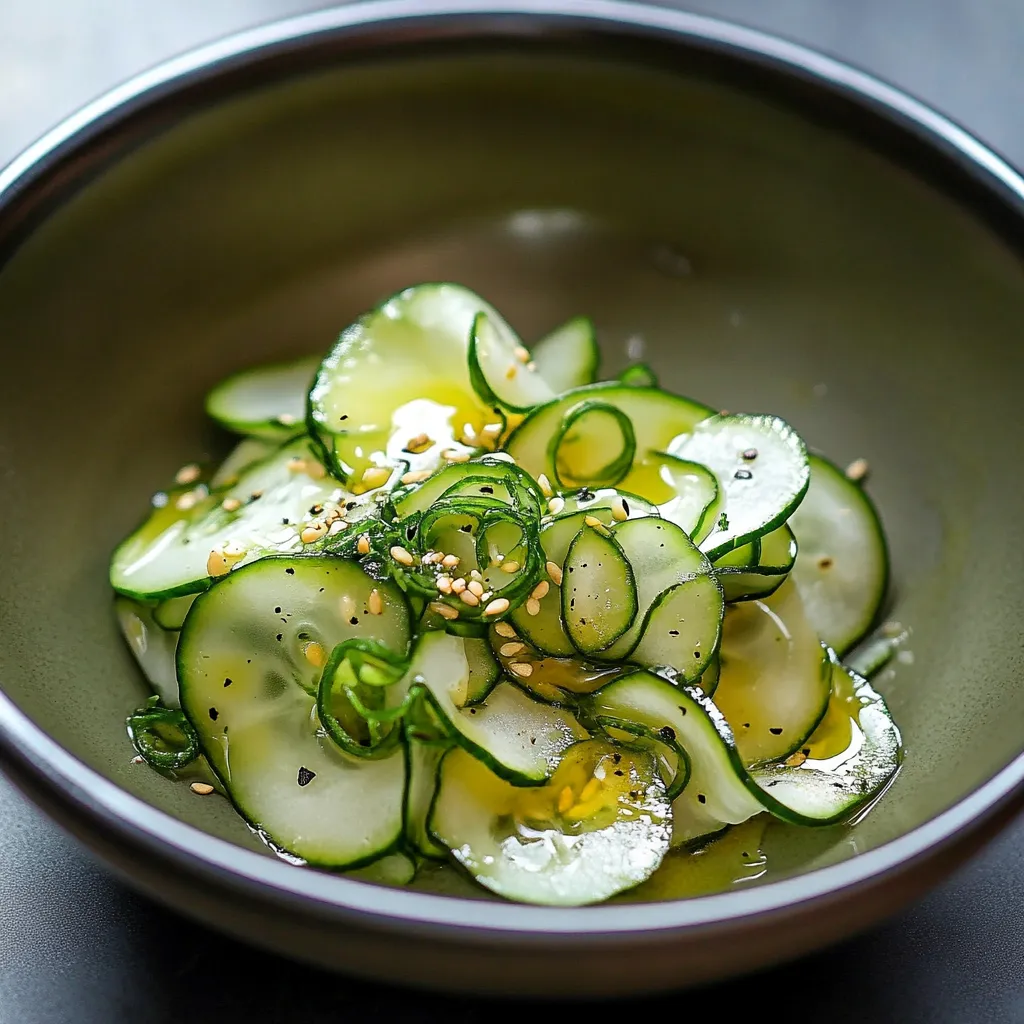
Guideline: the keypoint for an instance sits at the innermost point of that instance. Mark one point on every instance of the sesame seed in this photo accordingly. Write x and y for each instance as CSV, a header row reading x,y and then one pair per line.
x,y
531,366
375,476
296,464
450,561
592,521
555,505
217,564
363,545
505,630
453,455
475,587
510,649
188,500
202,788
521,668
491,430
533,606
336,527
545,486
444,584
475,574
312,532
522,354
468,597
487,595
418,444
315,470
555,572
399,554
619,510
510,566
458,586
375,604
286,419
315,654
857,470
510,373
187,474
444,610
231,504
541,590
416,476
469,439
497,607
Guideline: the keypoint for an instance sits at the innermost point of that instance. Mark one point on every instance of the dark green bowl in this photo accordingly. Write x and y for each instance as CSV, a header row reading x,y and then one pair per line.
x,y
777,231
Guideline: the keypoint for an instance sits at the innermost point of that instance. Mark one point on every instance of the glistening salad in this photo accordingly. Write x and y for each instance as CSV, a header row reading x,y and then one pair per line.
x,y
452,598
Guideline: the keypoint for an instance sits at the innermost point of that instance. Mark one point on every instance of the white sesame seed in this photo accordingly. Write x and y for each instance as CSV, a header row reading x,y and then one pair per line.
x,y
522,669
231,504
475,587
374,603
312,532
453,455
217,564
188,500
522,354
592,521
497,607
187,474
857,470
399,554
363,545
533,606
531,366
336,527
545,486
286,419
458,586
475,574
201,788
468,597
510,566
555,572
555,505
509,649
506,630
491,430
450,561
444,584
416,476
541,590
444,610
619,510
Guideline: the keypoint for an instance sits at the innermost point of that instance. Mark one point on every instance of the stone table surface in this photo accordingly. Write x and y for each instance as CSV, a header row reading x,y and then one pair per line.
x,y
77,946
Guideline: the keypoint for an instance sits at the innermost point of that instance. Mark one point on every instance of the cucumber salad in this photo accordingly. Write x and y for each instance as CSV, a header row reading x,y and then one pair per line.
x,y
453,598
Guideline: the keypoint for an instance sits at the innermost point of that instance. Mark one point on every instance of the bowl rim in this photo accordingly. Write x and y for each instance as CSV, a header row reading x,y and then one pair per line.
x,y
31,753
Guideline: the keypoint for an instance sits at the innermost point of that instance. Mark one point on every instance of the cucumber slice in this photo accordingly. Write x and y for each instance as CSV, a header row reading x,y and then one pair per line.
x,y
245,454
501,369
392,869
506,480
694,505
594,446
851,757
744,557
662,557
249,661
152,647
568,357
396,386
776,557
639,375
775,676
170,554
170,614
484,670
422,762
598,598
761,466
718,792
268,402
601,825
658,418
518,738
842,569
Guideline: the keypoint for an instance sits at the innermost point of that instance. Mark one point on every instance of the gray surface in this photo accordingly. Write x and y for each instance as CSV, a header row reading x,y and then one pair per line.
x,y
75,946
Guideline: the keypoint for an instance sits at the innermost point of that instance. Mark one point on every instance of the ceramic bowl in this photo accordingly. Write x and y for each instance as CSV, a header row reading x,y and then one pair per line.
x,y
776,231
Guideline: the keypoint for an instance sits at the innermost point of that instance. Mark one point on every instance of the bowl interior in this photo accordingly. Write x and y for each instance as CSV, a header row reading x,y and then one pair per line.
x,y
761,261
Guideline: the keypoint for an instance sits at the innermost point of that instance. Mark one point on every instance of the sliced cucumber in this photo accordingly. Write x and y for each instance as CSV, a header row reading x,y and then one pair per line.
x,y
152,646
396,385
594,446
519,738
842,569
393,869
568,357
249,661
245,454
850,758
639,375
422,762
718,792
657,417
761,466
501,369
268,402
601,825
694,506
265,511
505,480
662,557
170,614
776,555
484,670
598,599
775,676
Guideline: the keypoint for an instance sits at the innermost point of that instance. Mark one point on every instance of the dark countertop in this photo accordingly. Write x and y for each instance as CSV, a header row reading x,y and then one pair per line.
x,y
77,946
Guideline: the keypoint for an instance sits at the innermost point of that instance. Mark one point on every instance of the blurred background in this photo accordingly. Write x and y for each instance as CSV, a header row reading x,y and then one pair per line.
x,y
75,946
